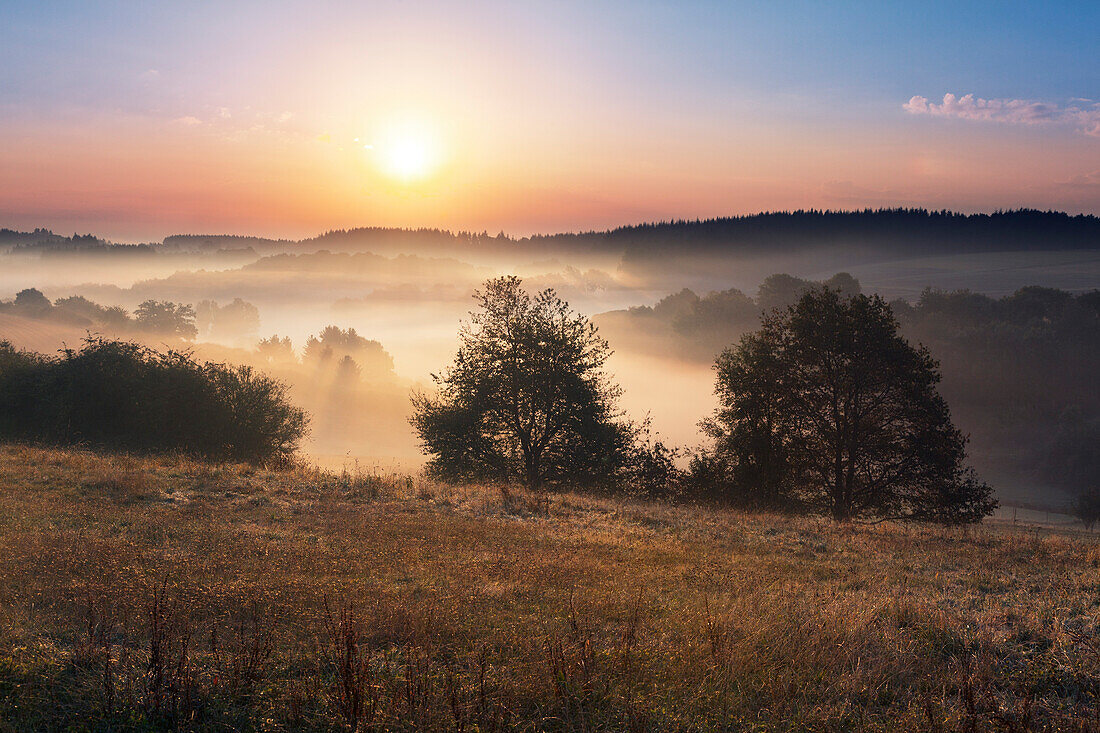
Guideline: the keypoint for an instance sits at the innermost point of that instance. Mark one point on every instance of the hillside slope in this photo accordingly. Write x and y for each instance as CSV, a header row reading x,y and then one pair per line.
x,y
143,594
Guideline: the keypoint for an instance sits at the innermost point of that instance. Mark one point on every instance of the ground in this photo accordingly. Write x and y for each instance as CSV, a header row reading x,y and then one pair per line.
x,y
150,594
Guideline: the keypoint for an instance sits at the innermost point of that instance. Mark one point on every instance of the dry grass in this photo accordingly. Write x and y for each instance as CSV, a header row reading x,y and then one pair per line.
x,y
149,594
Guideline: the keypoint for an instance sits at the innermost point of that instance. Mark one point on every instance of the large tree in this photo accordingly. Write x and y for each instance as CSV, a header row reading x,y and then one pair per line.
x,y
829,408
526,398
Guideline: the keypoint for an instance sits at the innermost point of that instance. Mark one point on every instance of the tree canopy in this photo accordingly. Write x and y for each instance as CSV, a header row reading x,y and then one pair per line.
x,y
827,408
526,398
165,317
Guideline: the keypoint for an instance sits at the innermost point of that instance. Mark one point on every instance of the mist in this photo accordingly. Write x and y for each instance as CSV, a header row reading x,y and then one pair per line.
x,y
668,299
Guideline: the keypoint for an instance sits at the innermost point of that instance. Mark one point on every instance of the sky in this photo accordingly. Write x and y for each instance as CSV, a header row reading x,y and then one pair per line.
x,y
137,120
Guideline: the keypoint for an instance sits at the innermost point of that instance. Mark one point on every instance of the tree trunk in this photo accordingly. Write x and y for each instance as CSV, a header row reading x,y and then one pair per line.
x,y
532,471
842,509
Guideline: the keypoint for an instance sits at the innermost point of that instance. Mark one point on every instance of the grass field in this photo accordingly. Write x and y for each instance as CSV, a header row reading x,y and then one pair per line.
x,y
149,594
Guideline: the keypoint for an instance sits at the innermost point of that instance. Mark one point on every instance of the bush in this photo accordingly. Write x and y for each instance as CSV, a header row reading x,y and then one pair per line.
x,y
125,396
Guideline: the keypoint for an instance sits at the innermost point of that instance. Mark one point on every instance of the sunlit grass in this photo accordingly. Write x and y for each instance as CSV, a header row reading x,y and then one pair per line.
x,y
151,593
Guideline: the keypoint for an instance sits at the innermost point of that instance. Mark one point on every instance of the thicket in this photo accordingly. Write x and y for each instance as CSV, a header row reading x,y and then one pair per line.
x,y
124,396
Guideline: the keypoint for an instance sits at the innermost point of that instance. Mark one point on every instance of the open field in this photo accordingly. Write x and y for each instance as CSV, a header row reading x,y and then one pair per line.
x,y
141,594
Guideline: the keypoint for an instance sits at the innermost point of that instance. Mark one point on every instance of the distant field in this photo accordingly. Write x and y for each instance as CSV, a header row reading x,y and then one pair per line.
x,y
149,594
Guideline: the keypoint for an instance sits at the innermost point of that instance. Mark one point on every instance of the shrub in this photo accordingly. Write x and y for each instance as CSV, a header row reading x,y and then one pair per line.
x,y
125,396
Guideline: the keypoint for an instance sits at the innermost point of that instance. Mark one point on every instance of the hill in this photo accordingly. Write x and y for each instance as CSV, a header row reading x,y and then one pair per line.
x,y
144,594
910,231
43,337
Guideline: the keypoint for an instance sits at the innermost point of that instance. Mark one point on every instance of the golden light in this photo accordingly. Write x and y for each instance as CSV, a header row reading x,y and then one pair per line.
x,y
407,150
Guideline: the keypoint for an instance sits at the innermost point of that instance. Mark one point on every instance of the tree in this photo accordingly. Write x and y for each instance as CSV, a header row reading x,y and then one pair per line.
x,y
748,427
276,350
164,317
32,299
1086,506
335,344
780,291
239,319
113,316
829,408
526,398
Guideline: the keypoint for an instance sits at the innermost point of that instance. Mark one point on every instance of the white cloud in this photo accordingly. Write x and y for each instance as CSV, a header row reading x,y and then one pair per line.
x,y
1082,112
189,121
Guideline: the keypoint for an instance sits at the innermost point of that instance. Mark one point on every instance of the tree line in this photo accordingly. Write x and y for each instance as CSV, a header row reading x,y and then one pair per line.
x,y
527,398
912,231
206,319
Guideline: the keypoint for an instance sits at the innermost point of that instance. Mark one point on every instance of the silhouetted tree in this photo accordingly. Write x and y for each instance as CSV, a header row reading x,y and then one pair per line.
x,y
164,317
748,429
526,397
828,407
1086,506
781,290
32,299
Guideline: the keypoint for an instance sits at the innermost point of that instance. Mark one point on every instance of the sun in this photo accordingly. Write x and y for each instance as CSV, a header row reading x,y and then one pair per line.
x,y
407,150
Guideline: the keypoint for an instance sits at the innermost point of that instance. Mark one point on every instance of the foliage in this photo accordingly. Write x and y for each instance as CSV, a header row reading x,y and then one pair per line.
x,y
526,398
112,316
125,396
1020,373
650,470
1016,369
165,317
351,352
236,320
1086,506
828,408
700,326
31,299
275,350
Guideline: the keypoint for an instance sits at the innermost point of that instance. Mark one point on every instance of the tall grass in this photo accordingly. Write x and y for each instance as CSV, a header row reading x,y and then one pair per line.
x,y
215,597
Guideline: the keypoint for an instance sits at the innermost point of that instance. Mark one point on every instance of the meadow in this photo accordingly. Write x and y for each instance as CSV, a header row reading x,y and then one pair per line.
x,y
166,593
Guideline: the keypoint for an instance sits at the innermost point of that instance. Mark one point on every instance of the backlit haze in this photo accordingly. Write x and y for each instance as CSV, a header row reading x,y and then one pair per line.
x,y
135,122
140,120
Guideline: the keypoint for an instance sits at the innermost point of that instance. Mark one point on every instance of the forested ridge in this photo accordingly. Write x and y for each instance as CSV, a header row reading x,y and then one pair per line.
x,y
912,230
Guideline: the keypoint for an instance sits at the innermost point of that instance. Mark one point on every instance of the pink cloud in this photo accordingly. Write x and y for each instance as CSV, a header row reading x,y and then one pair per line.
x,y
1085,113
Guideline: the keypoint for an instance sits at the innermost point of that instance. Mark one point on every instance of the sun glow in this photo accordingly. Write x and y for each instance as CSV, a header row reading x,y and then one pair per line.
x,y
407,150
